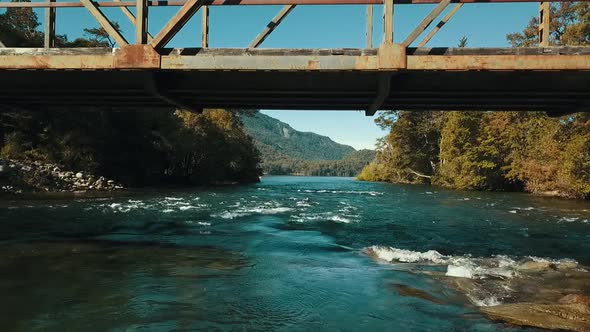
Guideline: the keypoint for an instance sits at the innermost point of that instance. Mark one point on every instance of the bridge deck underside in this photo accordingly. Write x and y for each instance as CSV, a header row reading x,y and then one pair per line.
x,y
213,80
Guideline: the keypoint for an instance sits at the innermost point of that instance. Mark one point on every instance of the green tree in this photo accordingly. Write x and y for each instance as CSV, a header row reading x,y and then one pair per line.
x,y
570,25
18,28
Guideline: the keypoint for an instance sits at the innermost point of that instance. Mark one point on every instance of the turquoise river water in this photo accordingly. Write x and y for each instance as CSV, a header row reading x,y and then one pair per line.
x,y
287,254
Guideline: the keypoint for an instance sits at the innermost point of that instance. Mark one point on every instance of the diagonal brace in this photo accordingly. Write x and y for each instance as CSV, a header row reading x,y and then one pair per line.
x,y
440,24
2,44
177,22
271,26
426,22
104,22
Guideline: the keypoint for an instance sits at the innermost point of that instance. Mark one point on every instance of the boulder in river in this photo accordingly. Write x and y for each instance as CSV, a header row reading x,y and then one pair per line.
x,y
571,317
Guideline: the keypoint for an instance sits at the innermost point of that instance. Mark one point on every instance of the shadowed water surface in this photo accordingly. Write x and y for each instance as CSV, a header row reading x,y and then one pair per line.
x,y
285,254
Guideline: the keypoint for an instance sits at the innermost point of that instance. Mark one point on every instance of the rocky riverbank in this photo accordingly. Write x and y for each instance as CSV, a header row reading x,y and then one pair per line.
x,y
18,177
525,291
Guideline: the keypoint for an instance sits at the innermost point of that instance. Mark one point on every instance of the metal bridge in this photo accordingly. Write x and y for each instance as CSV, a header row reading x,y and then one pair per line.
x,y
146,74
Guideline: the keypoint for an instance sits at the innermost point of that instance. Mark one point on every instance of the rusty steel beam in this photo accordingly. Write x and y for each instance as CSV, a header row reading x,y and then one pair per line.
x,y
160,3
271,26
141,22
176,22
205,28
426,22
49,27
498,62
544,23
388,22
131,18
440,25
104,22
369,26
144,57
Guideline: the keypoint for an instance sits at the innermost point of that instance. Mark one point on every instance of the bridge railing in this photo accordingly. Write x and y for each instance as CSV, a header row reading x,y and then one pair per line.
x,y
188,8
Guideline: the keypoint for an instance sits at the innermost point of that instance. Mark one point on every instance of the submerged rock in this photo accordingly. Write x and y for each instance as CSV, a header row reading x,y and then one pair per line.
x,y
572,317
575,299
404,290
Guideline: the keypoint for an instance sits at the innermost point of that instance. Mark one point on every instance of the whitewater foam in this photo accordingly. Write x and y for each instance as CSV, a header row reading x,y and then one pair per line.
x,y
349,192
243,212
499,267
325,216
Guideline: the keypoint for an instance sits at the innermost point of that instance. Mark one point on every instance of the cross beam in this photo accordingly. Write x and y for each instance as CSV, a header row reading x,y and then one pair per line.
x,y
178,3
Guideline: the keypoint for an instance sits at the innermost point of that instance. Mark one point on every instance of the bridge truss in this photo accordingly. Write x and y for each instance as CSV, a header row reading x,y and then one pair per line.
x,y
406,75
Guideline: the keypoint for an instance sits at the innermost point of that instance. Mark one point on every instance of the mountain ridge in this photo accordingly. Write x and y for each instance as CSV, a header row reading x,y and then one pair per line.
x,y
291,142
287,151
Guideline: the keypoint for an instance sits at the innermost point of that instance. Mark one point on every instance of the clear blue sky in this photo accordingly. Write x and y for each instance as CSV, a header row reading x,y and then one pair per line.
x,y
486,25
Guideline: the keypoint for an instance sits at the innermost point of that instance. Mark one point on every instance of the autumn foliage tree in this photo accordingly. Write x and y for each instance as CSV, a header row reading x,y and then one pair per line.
x,y
521,151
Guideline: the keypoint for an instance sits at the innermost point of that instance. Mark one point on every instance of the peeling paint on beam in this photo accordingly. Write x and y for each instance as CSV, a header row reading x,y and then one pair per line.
x,y
278,62
499,62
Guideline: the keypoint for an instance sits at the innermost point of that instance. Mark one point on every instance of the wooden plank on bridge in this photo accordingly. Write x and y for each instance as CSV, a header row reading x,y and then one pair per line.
x,y
271,26
104,22
176,23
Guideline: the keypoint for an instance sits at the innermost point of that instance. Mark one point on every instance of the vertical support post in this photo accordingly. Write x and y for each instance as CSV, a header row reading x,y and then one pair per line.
x,y
544,23
205,27
50,26
141,22
388,22
369,26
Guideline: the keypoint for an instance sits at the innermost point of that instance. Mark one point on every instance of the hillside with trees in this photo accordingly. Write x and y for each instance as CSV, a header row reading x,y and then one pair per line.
x,y
135,148
286,151
501,151
287,141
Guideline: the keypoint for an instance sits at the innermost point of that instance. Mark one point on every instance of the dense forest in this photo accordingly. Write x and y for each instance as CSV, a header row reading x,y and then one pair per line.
x,y
511,151
348,166
136,148
286,151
